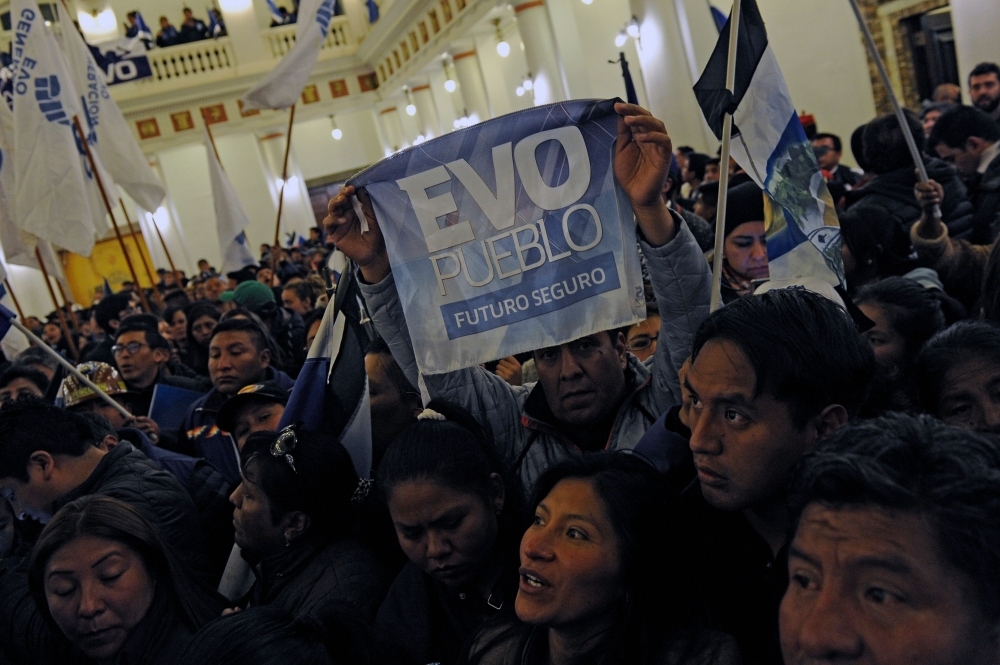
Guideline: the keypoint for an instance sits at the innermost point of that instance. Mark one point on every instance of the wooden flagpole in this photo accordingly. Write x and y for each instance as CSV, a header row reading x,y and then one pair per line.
x,y
73,320
900,116
281,191
164,243
111,214
142,257
17,305
727,130
59,311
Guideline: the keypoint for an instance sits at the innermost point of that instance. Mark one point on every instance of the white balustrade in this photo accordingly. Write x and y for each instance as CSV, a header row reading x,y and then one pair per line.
x,y
338,43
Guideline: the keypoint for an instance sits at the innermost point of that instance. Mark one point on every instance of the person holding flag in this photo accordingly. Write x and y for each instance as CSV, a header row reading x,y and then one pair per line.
x,y
137,30
216,27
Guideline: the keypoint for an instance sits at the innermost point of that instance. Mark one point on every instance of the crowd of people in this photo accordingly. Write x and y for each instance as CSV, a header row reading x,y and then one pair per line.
x,y
805,475
192,29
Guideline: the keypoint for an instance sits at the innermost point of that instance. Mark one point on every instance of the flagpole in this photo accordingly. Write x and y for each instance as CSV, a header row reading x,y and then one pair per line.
x,y
164,243
727,130
59,311
281,191
900,116
69,367
107,206
142,257
72,315
17,305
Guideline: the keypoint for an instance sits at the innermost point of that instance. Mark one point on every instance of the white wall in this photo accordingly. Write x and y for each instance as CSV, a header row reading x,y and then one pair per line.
x,y
320,155
598,24
975,23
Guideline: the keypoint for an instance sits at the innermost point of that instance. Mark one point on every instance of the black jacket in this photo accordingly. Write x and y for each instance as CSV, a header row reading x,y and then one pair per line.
x,y
890,196
984,192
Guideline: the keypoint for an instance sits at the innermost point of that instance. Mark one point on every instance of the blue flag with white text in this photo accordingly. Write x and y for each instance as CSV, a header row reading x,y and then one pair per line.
x,y
509,235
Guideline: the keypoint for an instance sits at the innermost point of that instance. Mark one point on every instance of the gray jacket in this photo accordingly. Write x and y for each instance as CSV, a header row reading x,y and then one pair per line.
x,y
517,417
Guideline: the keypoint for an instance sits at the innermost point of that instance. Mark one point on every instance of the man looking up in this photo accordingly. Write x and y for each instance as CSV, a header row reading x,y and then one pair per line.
x,y
237,356
984,88
968,139
771,375
591,394
896,553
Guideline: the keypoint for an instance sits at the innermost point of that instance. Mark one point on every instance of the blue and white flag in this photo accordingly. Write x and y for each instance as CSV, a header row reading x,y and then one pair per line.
x,y
231,218
122,60
803,236
331,391
214,27
51,197
113,140
510,235
275,13
372,11
143,31
281,87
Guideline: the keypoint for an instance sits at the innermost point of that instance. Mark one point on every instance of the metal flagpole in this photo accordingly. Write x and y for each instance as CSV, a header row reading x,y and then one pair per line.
x,y
107,206
142,257
69,367
281,192
900,116
727,129
59,311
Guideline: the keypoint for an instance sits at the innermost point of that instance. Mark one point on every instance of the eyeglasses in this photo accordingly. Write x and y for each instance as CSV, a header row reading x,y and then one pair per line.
x,y
131,347
642,343
284,445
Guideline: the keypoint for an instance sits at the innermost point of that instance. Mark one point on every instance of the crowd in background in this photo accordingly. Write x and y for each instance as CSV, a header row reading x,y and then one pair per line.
x,y
805,475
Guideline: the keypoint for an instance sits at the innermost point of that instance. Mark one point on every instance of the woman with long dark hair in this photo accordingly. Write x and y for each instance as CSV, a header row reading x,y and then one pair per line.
x,y
101,574
600,581
457,518
201,320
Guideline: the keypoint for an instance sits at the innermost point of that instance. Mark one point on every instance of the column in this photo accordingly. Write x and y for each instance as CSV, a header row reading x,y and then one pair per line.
x,y
426,111
540,51
470,80
243,31
392,126
296,210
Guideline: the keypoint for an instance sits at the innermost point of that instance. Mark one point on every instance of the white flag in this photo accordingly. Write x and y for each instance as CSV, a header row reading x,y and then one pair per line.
x,y
281,87
119,152
230,218
52,195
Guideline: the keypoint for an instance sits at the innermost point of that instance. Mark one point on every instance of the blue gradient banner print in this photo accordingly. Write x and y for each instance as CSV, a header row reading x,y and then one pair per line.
x,y
510,235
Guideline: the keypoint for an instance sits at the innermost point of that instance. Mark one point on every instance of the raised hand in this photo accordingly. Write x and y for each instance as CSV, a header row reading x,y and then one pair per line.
x,y
344,228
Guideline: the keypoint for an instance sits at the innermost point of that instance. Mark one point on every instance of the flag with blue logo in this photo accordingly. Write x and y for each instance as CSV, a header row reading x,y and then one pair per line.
x,y
143,31
372,10
231,218
509,235
331,391
214,27
52,185
112,139
276,15
803,235
281,87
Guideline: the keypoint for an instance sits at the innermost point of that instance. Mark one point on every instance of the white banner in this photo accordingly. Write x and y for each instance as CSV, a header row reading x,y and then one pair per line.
x,y
230,217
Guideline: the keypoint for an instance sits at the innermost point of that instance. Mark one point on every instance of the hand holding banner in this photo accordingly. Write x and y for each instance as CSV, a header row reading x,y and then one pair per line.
x,y
537,243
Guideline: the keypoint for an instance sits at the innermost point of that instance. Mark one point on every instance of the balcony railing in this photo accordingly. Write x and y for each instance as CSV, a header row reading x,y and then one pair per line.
x,y
338,43
191,61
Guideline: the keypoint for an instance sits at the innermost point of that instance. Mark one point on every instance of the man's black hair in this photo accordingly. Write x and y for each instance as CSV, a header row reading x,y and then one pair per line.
x,y
242,325
947,476
985,68
110,308
713,160
963,341
35,425
144,323
884,146
696,165
18,371
686,150
838,145
958,125
708,192
33,356
805,350
100,426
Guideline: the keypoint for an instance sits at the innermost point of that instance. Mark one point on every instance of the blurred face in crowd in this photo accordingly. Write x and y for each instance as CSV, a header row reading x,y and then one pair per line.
x,y
985,91
571,570
744,445
966,158
178,326
98,590
201,329
448,533
6,528
712,172
583,380
33,324
235,361
746,250
703,209
829,158
264,276
214,288
889,346
164,22
51,333
138,363
19,388
292,301
970,396
311,333
256,528
930,119
257,416
641,338
391,412
871,586
203,266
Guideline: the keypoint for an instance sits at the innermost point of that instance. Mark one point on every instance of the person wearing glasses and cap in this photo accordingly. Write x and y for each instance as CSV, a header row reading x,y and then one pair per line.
x,y
295,521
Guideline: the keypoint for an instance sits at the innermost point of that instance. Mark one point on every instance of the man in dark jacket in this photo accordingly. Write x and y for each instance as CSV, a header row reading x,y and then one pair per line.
x,y
237,356
192,29
968,139
890,194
